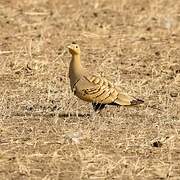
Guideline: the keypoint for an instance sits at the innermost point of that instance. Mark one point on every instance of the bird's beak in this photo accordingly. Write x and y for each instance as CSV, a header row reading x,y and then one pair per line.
x,y
69,47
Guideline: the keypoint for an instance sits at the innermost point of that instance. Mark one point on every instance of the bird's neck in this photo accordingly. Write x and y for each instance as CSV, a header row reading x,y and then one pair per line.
x,y
76,61
75,70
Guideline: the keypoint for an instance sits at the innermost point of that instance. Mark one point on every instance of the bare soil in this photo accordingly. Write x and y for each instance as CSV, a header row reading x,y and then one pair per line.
x,y
46,132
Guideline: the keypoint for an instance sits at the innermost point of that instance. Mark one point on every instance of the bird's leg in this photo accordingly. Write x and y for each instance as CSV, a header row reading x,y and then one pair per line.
x,y
98,106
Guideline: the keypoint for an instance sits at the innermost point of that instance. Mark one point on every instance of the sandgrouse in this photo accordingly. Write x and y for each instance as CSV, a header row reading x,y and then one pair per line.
x,y
95,89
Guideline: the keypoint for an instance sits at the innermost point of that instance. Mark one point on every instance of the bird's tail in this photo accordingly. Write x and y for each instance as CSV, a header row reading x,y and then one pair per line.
x,y
136,101
126,100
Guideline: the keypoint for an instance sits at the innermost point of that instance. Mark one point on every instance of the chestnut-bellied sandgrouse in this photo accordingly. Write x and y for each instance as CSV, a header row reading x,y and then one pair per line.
x,y
95,89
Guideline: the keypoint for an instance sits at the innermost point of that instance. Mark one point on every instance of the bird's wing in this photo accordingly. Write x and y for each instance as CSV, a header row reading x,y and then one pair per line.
x,y
100,90
95,89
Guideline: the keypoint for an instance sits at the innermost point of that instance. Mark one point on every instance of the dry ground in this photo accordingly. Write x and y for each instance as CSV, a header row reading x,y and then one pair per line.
x,y
46,132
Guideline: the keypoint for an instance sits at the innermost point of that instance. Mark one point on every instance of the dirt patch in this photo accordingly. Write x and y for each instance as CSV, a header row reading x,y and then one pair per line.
x,y
46,132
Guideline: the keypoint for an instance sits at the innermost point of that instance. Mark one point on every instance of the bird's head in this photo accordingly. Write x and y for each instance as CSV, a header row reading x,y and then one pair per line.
x,y
74,49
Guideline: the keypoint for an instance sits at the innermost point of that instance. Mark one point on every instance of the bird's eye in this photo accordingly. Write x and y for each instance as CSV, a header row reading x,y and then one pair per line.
x,y
76,46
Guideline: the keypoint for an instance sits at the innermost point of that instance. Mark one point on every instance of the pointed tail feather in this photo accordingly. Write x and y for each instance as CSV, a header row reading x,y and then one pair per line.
x,y
136,101
131,103
126,100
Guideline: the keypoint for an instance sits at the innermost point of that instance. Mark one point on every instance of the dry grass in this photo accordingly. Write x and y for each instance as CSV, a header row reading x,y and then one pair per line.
x,y
46,133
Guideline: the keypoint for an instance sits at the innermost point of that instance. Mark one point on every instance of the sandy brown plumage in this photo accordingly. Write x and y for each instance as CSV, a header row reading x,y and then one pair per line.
x,y
95,89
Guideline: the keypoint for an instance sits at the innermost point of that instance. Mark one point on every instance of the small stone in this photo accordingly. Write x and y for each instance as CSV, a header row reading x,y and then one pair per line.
x,y
157,144
95,14
142,39
173,94
157,53
175,67
148,29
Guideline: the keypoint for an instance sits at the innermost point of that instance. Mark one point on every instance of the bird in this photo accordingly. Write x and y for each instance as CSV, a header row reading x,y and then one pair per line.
x,y
94,88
